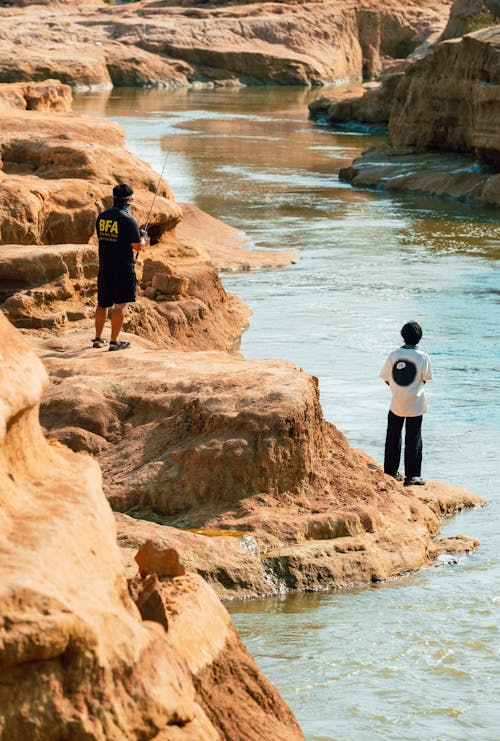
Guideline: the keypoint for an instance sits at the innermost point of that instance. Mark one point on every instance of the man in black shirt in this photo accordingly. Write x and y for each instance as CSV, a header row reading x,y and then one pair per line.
x,y
119,237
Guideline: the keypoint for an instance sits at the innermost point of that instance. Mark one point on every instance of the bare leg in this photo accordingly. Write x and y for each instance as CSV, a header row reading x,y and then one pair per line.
x,y
117,317
100,320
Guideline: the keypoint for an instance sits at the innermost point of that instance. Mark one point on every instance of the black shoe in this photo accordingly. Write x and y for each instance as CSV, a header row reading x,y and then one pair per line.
x,y
118,345
398,476
99,342
415,481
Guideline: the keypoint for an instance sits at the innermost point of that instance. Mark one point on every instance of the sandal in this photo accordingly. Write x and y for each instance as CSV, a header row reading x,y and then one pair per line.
x,y
118,345
99,342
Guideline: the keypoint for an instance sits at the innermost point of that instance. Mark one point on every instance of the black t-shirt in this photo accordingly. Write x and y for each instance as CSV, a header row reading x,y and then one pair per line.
x,y
117,231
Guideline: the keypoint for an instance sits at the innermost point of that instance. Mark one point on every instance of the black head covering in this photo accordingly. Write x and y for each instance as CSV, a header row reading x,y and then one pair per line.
x,y
121,193
411,333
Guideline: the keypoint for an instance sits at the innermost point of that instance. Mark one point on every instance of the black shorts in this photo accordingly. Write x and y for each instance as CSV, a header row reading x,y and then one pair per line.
x,y
115,288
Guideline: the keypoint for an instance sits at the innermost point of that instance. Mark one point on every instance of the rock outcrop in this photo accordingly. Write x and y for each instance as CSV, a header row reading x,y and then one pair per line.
x,y
74,654
240,703
57,171
204,440
76,659
467,16
168,44
450,100
233,450
182,303
237,450
447,101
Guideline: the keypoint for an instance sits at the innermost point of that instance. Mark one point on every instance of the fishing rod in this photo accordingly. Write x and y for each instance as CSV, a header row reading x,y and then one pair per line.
x,y
144,231
145,228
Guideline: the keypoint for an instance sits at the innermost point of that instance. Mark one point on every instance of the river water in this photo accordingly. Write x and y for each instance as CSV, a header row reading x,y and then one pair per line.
x,y
418,657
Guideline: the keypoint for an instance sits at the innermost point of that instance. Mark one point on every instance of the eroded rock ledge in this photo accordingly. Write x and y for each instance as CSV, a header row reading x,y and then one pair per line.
x,y
442,115
238,450
153,43
76,658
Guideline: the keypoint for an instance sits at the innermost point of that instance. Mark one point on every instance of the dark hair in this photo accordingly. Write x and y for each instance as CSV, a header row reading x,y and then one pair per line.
x,y
121,192
411,333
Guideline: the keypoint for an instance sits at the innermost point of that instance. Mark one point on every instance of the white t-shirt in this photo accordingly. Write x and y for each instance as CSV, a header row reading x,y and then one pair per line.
x,y
405,370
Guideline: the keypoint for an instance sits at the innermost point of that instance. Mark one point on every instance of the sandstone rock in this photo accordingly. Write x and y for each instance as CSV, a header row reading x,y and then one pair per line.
x,y
146,595
181,302
230,561
153,559
75,659
129,65
58,170
239,701
450,99
206,441
444,174
467,16
445,500
191,43
456,545
49,95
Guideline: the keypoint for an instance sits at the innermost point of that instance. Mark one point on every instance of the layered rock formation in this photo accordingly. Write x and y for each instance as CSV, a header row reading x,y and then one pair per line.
x,y
236,450
448,101
467,16
76,659
57,171
463,75
150,43
373,103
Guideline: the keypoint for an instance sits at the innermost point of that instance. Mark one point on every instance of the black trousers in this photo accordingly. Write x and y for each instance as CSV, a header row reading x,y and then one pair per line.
x,y
413,445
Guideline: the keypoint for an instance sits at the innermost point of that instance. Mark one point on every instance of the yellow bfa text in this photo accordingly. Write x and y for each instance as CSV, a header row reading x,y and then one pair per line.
x,y
108,229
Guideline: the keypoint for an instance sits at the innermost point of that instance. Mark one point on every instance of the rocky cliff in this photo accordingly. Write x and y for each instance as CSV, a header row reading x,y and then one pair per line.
x,y
447,100
57,171
181,44
468,16
77,660
450,100
237,452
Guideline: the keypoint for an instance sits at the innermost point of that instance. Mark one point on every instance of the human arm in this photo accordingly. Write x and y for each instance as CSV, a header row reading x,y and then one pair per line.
x,y
385,373
138,246
427,369
138,238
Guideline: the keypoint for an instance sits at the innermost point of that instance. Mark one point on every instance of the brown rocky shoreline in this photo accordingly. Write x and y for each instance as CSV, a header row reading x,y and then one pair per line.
x,y
151,43
442,115
111,627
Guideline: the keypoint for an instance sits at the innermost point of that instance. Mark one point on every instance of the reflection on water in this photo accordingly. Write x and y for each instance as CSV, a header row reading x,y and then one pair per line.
x,y
415,658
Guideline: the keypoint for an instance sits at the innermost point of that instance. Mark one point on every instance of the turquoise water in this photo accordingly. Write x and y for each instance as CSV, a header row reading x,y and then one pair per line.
x,y
417,657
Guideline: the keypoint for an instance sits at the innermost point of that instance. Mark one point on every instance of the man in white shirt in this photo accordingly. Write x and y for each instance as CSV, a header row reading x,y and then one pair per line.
x,y
406,371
